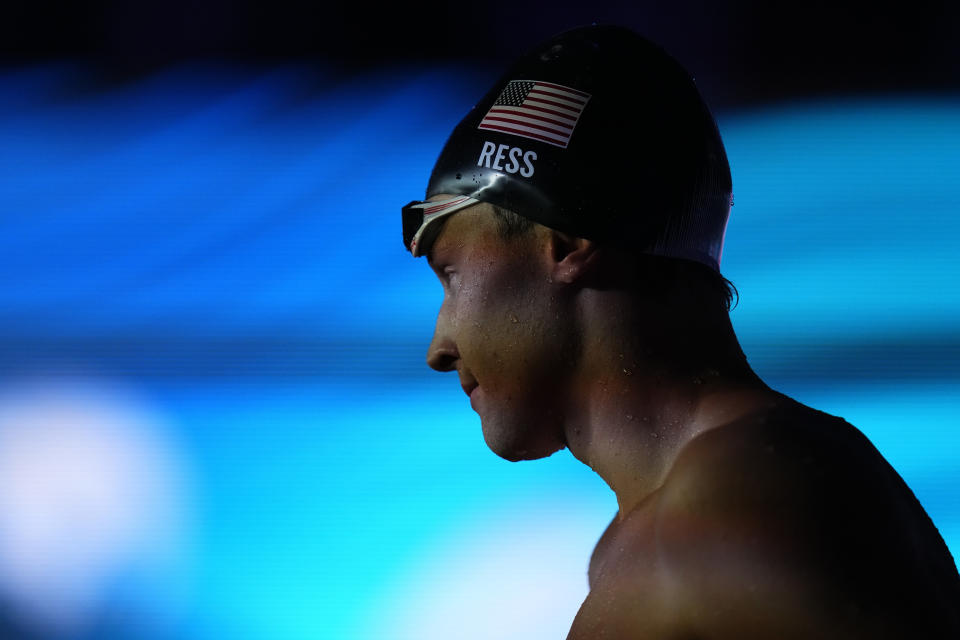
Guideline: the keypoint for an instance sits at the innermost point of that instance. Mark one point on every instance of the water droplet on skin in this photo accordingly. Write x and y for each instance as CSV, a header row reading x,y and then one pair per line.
x,y
655,434
514,319
628,372
629,417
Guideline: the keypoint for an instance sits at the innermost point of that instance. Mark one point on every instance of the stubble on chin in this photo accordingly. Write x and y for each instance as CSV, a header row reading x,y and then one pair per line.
x,y
523,440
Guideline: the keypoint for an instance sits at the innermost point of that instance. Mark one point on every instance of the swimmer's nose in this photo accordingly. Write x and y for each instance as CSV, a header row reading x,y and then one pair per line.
x,y
442,355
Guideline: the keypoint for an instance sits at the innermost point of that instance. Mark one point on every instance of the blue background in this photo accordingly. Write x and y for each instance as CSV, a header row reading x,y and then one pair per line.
x,y
212,253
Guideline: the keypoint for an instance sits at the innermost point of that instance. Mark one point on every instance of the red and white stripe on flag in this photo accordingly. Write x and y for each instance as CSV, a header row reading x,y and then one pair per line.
x,y
537,110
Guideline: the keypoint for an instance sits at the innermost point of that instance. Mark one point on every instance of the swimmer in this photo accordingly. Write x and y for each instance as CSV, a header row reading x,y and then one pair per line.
x,y
575,219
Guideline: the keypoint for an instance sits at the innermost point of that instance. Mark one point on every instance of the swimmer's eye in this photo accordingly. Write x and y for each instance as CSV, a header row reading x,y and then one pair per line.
x,y
449,274
439,269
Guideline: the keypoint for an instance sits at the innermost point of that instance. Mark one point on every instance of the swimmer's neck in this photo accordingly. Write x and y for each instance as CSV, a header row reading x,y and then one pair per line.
x,y
648,382
636,426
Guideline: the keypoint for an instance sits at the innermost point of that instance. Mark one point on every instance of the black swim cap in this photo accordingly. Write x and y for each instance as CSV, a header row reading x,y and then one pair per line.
x,y
598,133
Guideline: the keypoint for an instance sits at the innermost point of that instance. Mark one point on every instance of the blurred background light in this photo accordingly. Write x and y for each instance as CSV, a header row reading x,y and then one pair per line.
x,y
92,510
229,429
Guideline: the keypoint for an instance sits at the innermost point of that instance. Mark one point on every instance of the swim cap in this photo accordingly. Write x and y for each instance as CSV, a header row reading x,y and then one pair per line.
x,y
598,133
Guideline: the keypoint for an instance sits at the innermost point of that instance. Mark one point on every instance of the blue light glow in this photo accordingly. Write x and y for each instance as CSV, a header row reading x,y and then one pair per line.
x,y
228,240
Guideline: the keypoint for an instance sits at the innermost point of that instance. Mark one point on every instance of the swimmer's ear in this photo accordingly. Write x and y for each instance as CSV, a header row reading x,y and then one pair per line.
x,y
573,259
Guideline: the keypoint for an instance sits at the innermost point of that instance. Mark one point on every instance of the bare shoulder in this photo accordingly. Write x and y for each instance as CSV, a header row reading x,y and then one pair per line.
x,y
804,481
792,462
787,524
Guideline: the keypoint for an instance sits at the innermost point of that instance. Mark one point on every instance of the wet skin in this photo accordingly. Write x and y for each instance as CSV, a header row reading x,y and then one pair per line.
x,y
786,523
492,330
743,514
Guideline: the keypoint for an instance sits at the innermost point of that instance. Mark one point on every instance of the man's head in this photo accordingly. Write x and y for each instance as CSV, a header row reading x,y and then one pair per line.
x,y
592,165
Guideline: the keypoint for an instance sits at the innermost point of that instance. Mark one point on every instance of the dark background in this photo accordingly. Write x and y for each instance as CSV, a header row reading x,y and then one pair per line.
x,y
209,326
742,52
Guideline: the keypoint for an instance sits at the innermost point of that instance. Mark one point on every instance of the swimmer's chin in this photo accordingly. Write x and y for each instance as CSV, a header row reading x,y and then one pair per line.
x,y
520,442
523,454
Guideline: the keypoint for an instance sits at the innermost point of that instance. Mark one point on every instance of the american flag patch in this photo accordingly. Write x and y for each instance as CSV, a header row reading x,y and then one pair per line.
x,y
537,110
